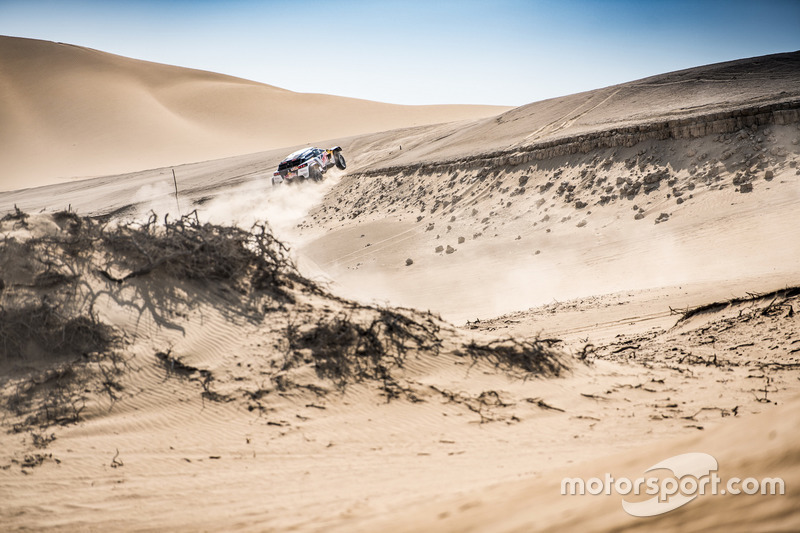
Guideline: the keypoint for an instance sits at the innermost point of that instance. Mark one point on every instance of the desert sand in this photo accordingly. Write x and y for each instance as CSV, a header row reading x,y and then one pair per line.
x,y
469,313
68,112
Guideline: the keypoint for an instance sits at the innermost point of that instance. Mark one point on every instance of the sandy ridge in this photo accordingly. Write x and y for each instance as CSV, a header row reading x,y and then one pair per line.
x,y
69,111
693,126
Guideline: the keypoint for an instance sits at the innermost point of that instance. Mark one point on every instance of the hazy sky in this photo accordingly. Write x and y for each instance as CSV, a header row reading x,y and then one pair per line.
x,y
507,52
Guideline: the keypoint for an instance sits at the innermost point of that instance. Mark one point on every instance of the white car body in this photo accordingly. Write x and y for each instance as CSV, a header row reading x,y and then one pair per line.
x,y
308,163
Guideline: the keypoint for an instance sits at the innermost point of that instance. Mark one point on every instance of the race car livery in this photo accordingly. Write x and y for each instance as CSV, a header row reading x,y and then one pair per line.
x,y
308,164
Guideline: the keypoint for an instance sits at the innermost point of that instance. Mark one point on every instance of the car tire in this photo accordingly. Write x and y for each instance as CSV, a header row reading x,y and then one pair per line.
x,y
315,174
340,162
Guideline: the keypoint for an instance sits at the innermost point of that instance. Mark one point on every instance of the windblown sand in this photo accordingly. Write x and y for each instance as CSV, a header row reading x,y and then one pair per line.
x,y
593,221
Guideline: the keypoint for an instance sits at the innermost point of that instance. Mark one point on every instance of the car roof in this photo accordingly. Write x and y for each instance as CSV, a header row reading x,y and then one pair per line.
x,y
298,153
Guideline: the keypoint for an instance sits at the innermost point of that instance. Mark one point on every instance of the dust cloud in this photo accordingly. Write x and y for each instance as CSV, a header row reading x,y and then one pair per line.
x,y
282,206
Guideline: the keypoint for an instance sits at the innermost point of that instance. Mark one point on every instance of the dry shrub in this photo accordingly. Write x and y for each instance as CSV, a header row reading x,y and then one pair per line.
x,y
41,306
186,249
55,397
45,329
76,352
49,283
778,298
346,350
536,357
18,216
483,404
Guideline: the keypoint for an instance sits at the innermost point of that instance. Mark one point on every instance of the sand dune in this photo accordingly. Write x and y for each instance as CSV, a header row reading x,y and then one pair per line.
x,y
770,449
236,401
683,95
645,233
68,111
523,235
671,192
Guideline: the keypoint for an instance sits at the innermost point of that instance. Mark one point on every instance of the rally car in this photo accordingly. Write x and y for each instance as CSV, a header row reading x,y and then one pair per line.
x,y
308,163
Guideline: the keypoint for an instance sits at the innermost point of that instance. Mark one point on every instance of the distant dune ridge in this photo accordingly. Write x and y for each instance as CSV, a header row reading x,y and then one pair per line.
x,y
711,93
68,111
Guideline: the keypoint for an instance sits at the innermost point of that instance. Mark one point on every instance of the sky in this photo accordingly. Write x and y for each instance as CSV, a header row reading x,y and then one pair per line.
x,y
504,52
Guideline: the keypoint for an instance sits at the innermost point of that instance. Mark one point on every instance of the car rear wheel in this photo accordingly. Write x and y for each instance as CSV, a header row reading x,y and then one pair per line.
x,y
340,162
